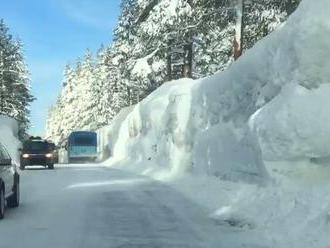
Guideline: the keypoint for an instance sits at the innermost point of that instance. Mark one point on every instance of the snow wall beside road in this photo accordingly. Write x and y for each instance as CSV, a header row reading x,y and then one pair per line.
x,y
281,88
178,129
201,127
108,135
296,123
9,136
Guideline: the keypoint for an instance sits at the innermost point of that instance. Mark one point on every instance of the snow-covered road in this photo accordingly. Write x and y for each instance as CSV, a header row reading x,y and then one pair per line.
x,y
89,206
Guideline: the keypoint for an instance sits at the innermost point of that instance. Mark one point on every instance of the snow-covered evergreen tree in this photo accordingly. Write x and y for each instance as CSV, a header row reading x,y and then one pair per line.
x,y
15,96
112,92
87,102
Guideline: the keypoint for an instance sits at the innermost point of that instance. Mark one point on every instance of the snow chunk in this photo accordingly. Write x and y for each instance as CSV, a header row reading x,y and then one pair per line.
x,y
296,124
9,136
142,67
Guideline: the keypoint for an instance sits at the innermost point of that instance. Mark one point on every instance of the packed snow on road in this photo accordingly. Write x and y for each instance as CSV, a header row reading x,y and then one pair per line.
x,y
83,206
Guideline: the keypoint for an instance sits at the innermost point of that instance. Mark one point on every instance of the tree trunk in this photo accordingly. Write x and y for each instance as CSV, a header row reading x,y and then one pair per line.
x,y
239,29
169,62
187,68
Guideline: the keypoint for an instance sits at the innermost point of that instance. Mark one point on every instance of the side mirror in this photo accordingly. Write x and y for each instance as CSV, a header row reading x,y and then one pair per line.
x,y
5,162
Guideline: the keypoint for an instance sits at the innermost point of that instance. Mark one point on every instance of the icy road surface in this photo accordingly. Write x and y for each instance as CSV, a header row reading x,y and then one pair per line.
x,y
89,206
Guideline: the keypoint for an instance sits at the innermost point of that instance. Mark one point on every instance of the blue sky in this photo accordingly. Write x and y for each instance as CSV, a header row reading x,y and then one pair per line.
x,y
54,33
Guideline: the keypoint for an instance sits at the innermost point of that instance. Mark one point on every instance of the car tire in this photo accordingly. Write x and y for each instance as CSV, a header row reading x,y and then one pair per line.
x,y
51,166
22,167
2,203
13,200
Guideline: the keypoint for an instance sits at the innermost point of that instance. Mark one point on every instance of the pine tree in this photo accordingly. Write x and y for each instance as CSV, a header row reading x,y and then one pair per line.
x,y
15,96
87,103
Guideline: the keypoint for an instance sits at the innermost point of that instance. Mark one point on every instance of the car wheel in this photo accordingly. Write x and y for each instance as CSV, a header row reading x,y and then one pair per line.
x,y
13,200
2,203
51,167
22,167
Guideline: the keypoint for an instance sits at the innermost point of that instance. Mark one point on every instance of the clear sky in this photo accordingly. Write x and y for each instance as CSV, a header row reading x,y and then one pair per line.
x,y
54,33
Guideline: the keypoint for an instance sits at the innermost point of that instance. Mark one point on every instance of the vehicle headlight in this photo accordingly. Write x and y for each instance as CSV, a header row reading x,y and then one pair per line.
x,y
49,155
26,156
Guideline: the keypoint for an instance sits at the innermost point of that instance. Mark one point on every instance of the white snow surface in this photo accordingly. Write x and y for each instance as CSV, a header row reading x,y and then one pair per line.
x,y
296,124
90,206
209,138
108,135
9,136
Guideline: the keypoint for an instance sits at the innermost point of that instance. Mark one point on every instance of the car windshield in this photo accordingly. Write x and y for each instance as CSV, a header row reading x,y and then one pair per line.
x,y
36,146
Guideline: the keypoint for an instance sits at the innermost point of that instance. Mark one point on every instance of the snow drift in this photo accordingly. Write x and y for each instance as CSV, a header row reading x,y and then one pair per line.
x,y
179,129
296,124
201,126
9,136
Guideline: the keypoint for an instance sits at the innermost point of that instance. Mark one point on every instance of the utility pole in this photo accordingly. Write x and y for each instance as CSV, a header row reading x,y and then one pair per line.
x,y
239,29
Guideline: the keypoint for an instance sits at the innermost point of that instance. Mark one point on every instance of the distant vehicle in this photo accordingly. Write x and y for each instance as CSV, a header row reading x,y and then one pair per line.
x,y
37,152
82,146
9,182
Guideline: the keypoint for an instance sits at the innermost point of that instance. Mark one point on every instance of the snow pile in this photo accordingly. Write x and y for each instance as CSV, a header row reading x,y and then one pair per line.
x,y
296,124
201,131
8,136
201,126
176,131
293,212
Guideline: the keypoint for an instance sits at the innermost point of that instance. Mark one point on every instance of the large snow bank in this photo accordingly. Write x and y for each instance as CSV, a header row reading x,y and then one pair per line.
x,y
177,130
295,124
201,126
280,88
291,213
8,136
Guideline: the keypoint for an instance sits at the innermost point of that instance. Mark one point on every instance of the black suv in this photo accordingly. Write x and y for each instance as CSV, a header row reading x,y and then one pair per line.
x,y
37,152
9,182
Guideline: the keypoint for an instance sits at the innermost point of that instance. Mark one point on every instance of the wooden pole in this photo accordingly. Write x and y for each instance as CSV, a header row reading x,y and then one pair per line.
x,y
238,43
